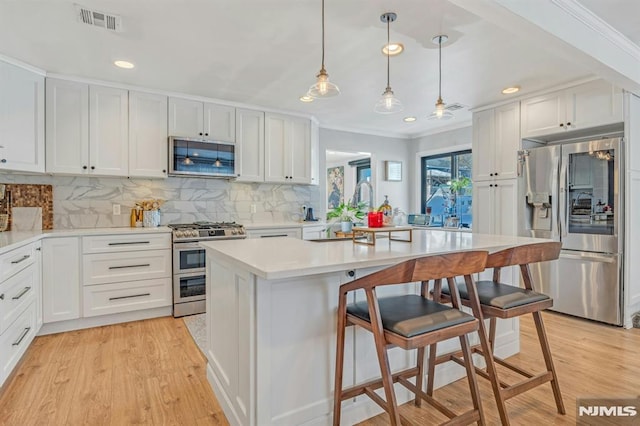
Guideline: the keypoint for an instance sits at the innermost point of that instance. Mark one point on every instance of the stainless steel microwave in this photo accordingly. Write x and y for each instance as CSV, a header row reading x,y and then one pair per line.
x,y
201,158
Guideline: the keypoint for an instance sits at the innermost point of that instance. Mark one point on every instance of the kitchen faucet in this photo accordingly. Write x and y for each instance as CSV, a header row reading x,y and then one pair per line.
x,y
356,194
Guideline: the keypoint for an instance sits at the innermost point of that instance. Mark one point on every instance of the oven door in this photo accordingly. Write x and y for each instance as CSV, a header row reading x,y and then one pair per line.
x,y
189,287
188,257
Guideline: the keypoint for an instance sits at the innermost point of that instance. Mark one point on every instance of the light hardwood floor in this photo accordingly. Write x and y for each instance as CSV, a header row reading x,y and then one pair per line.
x,y
143,372
151,372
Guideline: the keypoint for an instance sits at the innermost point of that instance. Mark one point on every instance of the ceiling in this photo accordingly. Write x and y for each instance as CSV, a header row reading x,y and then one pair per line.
x,y
267,53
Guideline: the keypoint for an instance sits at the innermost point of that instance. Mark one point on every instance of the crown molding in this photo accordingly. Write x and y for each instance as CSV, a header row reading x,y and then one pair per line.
x,y
367,132
598,25
21,64
451,127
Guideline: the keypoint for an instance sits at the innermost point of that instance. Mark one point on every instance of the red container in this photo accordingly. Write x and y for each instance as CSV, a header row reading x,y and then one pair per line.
x,y
374,219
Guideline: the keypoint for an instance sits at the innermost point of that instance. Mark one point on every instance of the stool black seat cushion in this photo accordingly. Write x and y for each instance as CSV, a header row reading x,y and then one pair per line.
x,y
411,315
501,296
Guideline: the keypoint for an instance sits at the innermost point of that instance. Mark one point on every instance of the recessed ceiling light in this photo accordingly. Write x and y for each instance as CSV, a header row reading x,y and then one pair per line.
x,y
306,98
123,64
409,119
510,90
392,49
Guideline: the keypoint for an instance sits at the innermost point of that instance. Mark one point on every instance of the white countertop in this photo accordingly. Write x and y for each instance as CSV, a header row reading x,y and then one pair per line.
x,y
271,225
276,258
13,239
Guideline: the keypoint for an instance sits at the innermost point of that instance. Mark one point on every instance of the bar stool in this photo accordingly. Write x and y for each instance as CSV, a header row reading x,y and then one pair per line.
x,y
409,322
492,299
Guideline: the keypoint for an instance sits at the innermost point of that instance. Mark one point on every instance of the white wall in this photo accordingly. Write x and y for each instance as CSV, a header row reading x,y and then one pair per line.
x,y
439,143
382,149
632,207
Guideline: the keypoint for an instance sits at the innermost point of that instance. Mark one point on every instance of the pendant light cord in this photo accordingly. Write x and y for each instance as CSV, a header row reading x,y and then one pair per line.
x,y
388,52
439,67
322,34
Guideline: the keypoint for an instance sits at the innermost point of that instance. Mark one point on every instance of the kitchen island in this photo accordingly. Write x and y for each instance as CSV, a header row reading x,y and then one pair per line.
x,y
271,323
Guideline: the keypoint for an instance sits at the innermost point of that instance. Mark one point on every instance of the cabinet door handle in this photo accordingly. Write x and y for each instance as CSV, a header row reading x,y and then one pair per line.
x,y
561,124
129,297
93,167
271,236
490,185
38,248
4,160
495,174
490,174
2,296
126,243
200,133
142,265
496,185
84,167
206,134
164,171
25,257
22,293
22,336
569,123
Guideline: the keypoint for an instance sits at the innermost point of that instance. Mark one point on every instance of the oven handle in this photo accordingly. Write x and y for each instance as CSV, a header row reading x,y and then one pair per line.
x,y
182,246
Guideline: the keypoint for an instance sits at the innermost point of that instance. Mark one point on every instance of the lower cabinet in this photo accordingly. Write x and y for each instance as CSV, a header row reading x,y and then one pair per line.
x,y
314,232
60,279
274,232
126,296
16,339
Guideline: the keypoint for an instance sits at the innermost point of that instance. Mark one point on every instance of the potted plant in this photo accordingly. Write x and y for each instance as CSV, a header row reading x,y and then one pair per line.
x,y
347,215
457,187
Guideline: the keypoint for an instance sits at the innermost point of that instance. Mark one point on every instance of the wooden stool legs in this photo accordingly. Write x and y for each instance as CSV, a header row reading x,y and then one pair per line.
x,y
546,353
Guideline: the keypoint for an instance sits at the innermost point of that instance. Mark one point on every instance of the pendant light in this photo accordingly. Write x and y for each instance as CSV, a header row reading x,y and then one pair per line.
x,y
323,87
218,163
388,103
187,161
440,113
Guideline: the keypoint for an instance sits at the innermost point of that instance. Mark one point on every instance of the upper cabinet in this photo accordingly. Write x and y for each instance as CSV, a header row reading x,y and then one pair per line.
x,y
250,145
289,149
147,135
196,119
593,104
87,129
21,119
496,141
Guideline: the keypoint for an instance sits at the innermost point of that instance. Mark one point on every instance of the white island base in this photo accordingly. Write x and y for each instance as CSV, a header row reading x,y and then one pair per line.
x,y
271,307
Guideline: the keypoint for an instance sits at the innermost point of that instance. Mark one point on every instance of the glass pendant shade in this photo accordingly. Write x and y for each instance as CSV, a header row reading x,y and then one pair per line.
x,y
440,113
187,161
323,87
388,103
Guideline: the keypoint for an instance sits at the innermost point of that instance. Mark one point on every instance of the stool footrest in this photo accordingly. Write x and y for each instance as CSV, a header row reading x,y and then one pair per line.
x,y
525,385
357,390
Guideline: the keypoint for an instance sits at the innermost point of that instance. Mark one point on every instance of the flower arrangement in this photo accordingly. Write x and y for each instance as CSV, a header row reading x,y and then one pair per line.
x,y
345,212
150,204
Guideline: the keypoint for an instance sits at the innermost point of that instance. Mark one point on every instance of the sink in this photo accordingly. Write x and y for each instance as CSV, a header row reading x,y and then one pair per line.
x,y
322,240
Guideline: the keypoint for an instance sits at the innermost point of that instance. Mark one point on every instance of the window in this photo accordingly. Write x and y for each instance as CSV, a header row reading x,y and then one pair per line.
x,y
363,172
446,189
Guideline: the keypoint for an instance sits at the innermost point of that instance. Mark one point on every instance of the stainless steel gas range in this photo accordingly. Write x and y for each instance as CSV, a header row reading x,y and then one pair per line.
x,y
189,272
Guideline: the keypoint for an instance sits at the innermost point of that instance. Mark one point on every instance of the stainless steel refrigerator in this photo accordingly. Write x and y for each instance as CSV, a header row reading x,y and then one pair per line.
x,y
572,193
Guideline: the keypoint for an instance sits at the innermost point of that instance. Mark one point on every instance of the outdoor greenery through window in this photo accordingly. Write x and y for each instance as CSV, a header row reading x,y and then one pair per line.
x,y
446,189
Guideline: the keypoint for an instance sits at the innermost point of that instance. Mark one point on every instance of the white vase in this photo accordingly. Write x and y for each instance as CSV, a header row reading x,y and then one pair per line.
x,y
151,218
346,226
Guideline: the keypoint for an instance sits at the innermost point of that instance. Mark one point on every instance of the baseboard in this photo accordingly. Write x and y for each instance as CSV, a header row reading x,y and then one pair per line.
x,y
99,321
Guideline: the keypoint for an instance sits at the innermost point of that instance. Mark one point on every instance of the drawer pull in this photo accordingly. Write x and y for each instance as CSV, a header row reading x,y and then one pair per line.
x,y
126,243
271,236
2,296
22,336
25,257
22,293
129,297
142,265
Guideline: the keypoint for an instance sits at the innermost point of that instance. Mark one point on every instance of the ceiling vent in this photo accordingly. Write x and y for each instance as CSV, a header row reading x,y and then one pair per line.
x,y
99,19
453,107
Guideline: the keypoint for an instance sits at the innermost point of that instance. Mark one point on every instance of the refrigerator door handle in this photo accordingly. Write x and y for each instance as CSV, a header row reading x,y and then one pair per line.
x,y
563,211
592,258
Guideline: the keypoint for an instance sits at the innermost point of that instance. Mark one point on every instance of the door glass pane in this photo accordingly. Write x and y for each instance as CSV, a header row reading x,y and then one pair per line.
x,y
463,197
192,286
192,259
591,193
437,177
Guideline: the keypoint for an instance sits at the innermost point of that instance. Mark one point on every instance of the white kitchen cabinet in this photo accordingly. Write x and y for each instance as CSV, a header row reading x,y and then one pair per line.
x,y
495,207
291,232
288,149
19,301
195,119
61,278
104,268
592,104
249,145
496,141
21,119
148,135
87,129
314,232
108,131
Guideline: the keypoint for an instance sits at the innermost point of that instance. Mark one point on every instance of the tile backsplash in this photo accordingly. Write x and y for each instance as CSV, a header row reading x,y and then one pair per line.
x,y
28,195
87,202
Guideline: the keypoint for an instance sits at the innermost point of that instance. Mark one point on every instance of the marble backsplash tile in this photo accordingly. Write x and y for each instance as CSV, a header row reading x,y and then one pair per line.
x,y
87,202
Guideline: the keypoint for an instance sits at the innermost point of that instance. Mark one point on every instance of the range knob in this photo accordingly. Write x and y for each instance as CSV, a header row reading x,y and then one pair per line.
x,y
234,232
194,234
241,231
178,234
